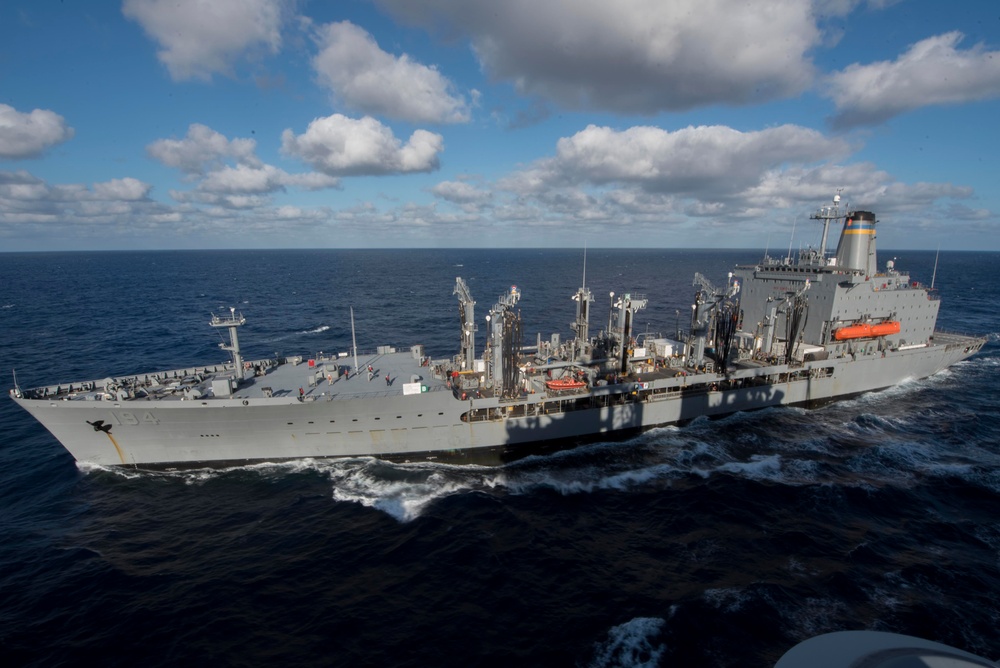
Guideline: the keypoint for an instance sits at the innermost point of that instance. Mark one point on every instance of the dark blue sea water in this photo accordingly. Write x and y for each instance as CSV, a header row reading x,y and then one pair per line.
x,y
722,543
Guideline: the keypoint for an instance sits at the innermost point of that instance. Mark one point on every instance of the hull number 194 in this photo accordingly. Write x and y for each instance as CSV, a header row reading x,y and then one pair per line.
x,y
127,418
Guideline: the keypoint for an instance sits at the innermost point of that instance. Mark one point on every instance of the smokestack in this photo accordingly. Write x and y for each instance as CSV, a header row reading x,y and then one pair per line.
x,y
857,243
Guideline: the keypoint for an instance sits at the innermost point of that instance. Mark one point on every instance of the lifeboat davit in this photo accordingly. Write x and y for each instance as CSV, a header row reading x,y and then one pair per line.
x,y
866,331
564,384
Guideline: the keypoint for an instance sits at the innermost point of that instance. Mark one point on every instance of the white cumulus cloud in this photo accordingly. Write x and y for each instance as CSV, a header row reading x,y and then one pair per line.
x,y
203,148
340,146
27,135
246,179
205,156
634,56
25,198
128,189
461,192
368,79
198,38
243,179
704,159
932,71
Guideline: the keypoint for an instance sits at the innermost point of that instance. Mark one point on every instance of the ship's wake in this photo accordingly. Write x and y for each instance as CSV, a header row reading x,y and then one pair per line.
x,y
293,335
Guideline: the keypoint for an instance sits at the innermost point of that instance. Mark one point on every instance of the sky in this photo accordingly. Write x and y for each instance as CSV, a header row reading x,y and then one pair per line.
x,y
186,124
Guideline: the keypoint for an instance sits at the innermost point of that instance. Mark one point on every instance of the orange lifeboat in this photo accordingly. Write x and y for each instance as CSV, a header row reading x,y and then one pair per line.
x,y
564,384
866,330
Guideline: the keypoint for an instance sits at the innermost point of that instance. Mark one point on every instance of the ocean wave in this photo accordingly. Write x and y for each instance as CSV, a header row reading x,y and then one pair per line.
x,y
633,644
401,491
728,599
581,480
195,476
980,362
760,467
88,468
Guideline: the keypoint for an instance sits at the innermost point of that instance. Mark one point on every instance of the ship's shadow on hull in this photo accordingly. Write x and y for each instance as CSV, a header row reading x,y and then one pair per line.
x,y
507,454
540,446
647,412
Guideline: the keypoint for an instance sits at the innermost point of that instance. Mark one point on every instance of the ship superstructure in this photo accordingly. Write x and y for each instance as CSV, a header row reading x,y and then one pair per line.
x,y
778,332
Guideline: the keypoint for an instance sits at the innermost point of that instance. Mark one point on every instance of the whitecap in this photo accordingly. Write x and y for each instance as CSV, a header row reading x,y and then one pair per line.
x,y
285,337
402,491
760,467
582,480
631,645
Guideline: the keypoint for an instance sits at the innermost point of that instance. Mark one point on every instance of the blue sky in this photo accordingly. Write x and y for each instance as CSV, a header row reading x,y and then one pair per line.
x,y
475,123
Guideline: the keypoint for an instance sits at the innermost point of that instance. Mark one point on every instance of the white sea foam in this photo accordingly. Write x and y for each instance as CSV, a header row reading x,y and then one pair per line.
x,y
402,491
581,480
760,467
981,363
666,458
88,468
188,476
631,645
285,337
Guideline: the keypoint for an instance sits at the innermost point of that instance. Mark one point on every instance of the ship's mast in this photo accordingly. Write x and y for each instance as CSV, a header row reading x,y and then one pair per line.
x,y
936,256
232,322
583,297
826,214
354,343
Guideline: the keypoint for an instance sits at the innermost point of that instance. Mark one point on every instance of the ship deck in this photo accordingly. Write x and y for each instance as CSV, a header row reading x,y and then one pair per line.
x,y
324,377
337,379
330,378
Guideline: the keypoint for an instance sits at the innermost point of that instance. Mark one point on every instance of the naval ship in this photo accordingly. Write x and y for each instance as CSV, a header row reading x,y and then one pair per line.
x,y
782,332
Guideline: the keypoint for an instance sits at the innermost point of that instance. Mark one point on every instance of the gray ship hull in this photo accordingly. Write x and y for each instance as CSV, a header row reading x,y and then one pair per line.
x,y
437,423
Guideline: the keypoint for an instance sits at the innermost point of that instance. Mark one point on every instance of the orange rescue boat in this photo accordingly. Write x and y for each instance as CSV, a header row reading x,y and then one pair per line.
x,y
564,384
866,330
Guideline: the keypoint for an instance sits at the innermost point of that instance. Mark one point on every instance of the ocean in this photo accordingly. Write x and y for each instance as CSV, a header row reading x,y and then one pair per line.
x,y
721,543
